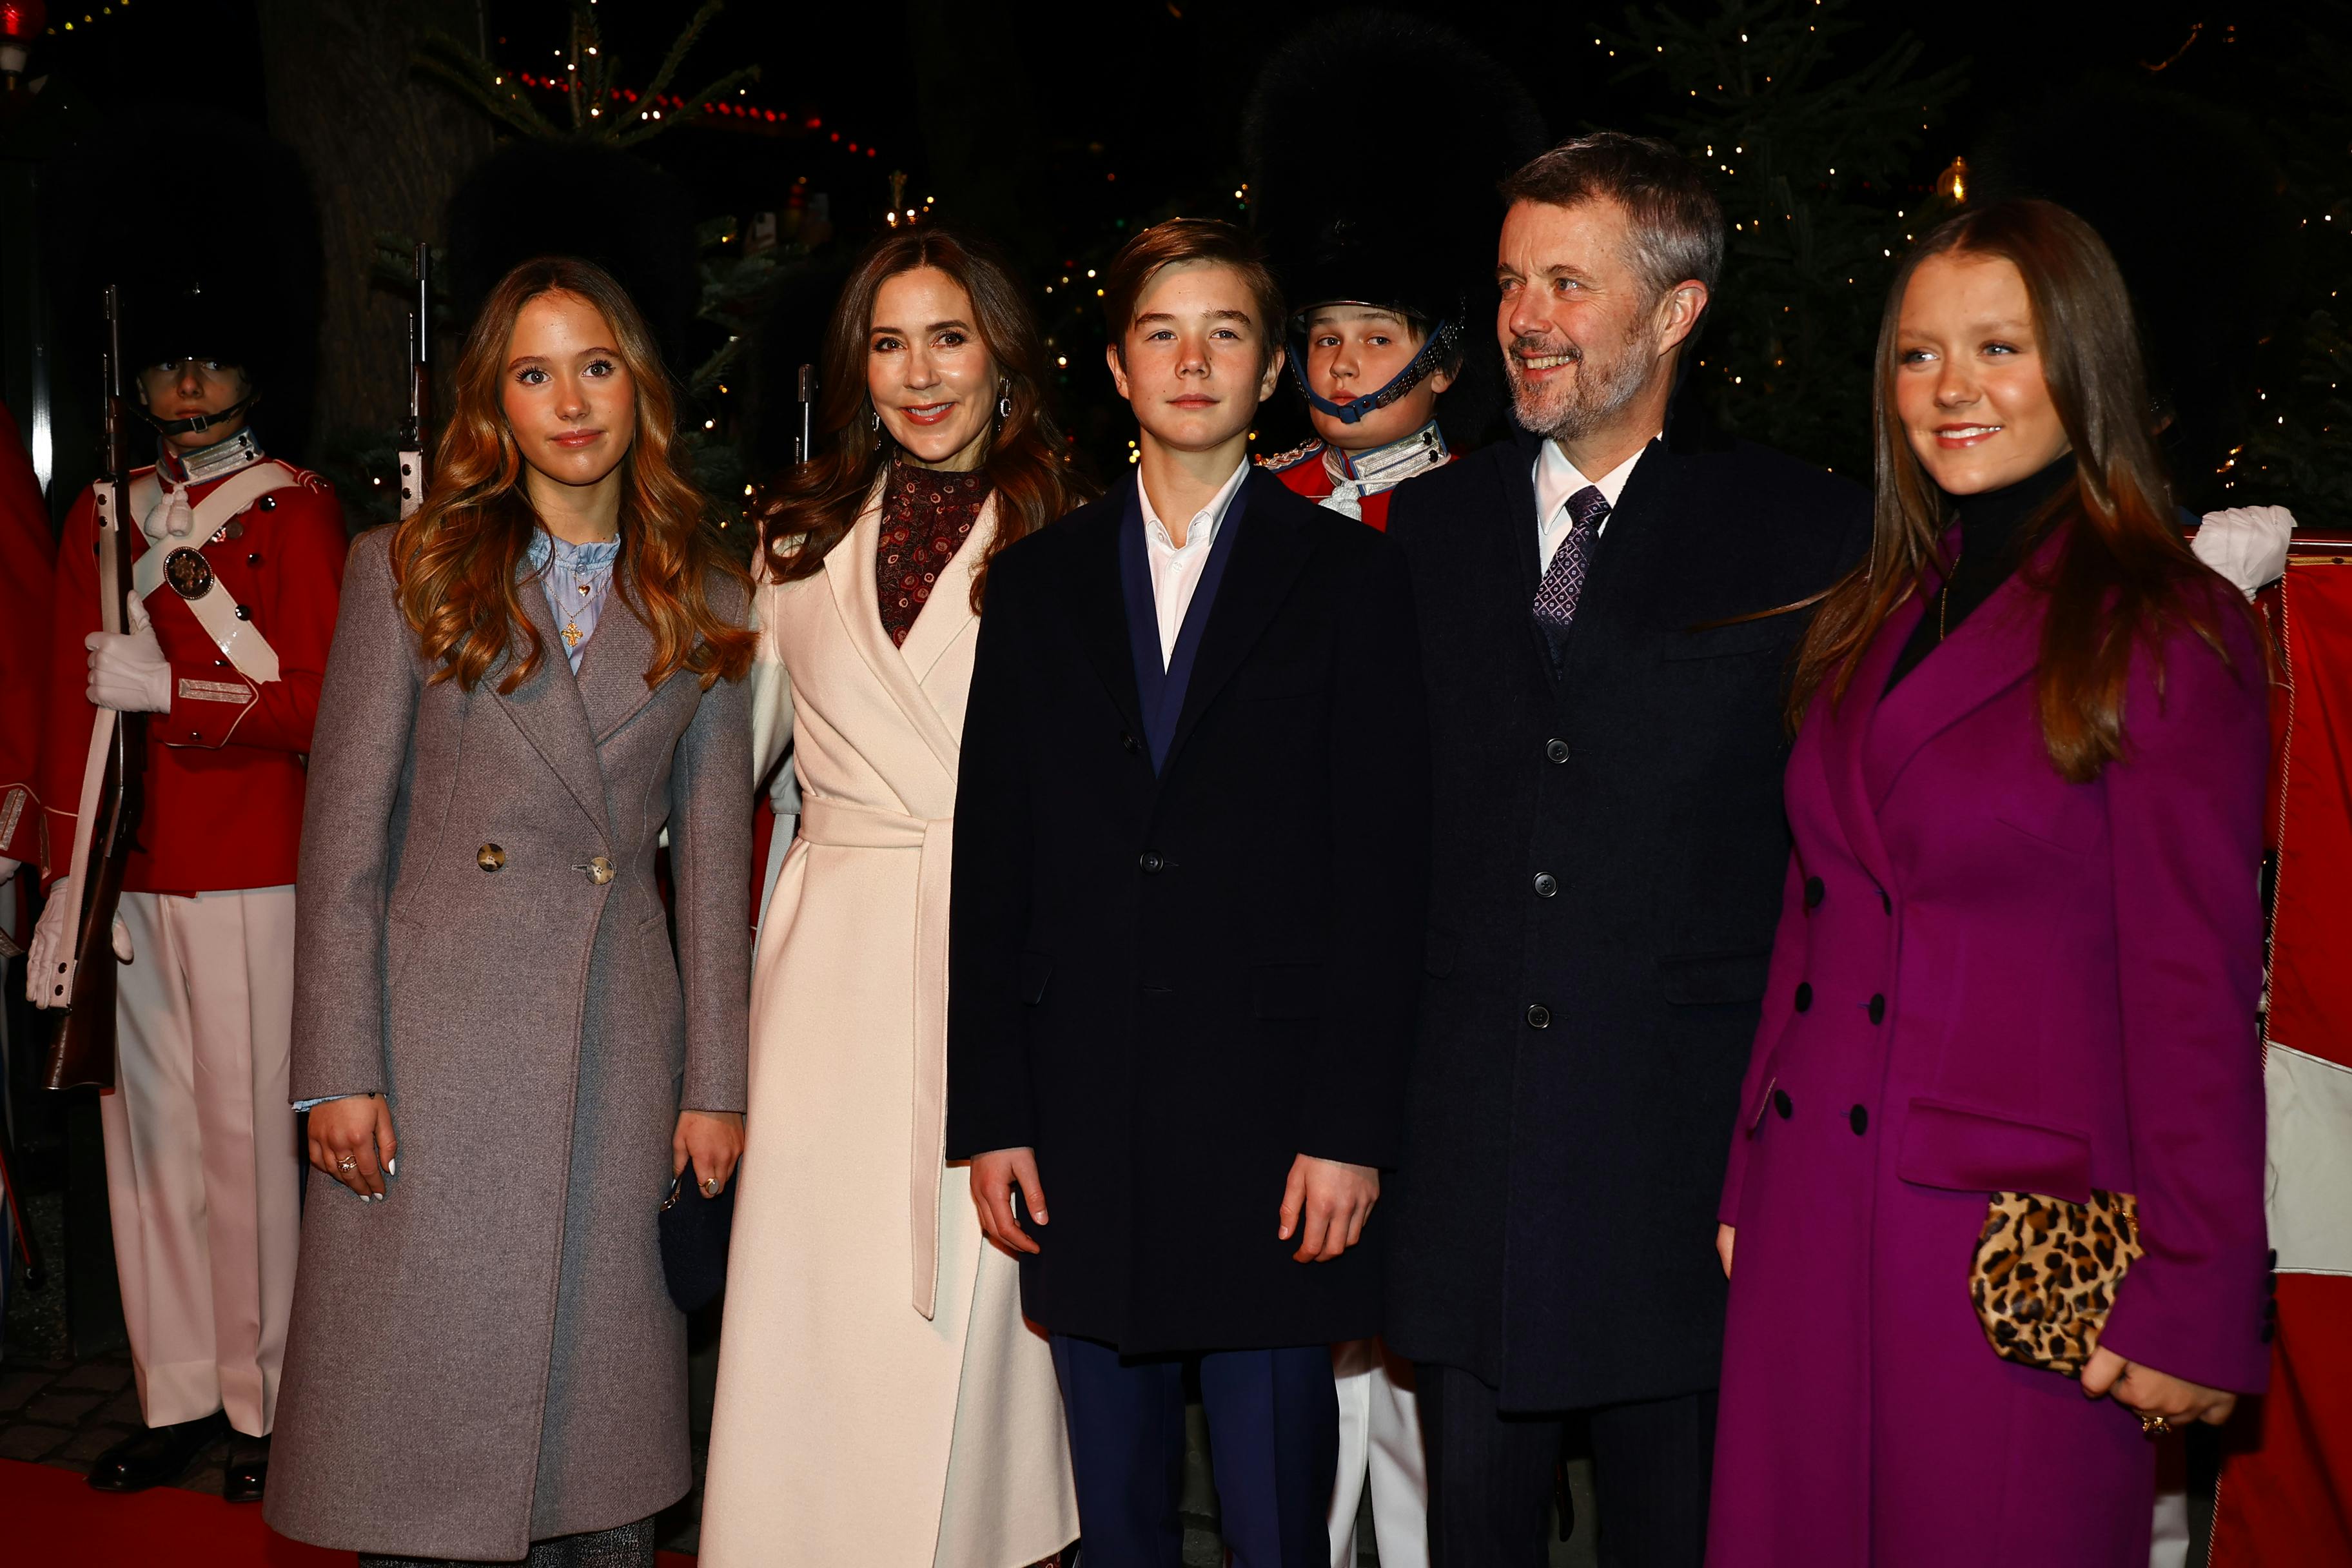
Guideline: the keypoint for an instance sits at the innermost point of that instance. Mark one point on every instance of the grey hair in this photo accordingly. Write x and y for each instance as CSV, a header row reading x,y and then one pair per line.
x,y
1677,226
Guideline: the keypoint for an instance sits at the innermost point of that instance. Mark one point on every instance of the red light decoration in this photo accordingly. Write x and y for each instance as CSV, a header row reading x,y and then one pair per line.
x,y
21,21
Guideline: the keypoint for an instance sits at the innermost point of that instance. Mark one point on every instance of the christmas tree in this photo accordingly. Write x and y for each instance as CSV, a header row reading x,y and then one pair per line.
x,y
1820,169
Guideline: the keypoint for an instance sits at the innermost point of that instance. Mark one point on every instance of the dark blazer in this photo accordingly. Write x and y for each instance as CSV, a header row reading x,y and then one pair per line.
x,y
1171,985
1608,859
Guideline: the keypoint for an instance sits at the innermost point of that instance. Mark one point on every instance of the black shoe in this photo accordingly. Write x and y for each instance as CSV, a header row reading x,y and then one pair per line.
x,y
248,1470
155,1458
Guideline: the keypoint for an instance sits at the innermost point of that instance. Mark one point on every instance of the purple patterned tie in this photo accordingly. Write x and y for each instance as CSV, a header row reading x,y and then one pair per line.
x,y
1563,580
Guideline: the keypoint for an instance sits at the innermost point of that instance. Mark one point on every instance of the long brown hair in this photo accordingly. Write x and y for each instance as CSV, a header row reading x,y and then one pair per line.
x,y
812,508
458,561
2123,577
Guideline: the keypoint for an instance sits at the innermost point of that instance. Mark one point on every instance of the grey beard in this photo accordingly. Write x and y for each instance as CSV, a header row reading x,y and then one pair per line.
x,y
1593,402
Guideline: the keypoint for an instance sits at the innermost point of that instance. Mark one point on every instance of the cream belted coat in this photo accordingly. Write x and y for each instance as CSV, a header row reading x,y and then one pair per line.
x,y
880,1399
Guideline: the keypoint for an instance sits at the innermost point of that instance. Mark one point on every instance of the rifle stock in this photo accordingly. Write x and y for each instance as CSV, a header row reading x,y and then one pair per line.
x,y
417,436
81,1048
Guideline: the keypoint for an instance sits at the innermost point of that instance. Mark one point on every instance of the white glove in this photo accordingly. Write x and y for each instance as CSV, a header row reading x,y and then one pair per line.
x,y
128,673
53,944
2247,544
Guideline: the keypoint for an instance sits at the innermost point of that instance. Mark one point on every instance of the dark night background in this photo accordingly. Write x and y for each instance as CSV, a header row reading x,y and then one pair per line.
x,y
2213,148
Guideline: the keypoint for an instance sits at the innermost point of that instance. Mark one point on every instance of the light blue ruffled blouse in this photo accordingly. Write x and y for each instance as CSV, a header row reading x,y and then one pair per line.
x,y
577,579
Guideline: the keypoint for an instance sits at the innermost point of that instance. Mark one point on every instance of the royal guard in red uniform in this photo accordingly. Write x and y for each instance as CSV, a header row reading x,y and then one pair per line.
x,y
1385,246
238,567
2284,1497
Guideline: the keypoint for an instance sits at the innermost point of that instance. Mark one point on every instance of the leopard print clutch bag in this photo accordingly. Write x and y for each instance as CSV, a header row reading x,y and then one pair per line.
x,y
2046,1271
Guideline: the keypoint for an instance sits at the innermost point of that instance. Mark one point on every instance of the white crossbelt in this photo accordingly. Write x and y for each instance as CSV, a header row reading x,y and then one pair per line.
x,y
240,641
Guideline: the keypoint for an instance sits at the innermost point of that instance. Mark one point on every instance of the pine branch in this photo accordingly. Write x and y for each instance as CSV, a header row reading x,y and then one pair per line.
x,y
645,127
486,86
685,41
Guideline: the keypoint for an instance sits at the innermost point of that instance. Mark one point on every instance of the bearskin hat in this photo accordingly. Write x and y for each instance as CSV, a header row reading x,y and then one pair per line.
x,y
579,197
221,265
1387,197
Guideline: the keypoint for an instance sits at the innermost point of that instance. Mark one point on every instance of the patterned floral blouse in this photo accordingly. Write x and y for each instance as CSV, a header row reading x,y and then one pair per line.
x,y
926,517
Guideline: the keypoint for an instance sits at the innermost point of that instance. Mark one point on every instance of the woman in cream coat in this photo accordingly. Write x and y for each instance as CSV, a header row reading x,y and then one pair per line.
x,y
881,1400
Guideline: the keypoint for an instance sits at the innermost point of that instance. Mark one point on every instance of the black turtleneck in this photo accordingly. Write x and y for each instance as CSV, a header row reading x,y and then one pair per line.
x,y
1990,552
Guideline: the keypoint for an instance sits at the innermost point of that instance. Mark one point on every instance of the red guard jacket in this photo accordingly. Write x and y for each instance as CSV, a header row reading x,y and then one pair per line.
x,y
27,548
225,765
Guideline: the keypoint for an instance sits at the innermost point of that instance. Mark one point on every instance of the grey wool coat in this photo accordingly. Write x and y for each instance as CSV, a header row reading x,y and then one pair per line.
x,y
488,1356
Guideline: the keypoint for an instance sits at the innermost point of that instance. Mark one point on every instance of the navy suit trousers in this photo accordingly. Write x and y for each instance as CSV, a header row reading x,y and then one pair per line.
x,y
1274,1443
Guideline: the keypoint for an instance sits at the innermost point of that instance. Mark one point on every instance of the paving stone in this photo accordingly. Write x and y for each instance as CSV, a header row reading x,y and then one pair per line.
x,y
103,1375
24,1440
88,1444
17,1387
125,1408
62,1409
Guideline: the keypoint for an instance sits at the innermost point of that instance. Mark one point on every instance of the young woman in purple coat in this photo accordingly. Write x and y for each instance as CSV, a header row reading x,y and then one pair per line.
x,y
2020,950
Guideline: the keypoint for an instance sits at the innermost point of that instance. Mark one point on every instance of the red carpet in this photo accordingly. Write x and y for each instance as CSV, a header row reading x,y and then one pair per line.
x,y
50,1516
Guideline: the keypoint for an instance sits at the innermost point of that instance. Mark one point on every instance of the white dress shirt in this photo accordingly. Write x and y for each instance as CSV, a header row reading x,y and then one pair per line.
x,y
1176,569
1557,479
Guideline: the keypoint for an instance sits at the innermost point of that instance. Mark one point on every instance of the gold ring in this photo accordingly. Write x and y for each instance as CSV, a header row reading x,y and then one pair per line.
x,y
2154,1425
347,1164
709,1186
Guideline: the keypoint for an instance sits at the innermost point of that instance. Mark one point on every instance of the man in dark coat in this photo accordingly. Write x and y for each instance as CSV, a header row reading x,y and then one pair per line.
x,y
1605,714
1185,905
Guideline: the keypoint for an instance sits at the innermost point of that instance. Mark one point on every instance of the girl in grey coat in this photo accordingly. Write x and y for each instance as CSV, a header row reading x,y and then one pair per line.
x,y
531,679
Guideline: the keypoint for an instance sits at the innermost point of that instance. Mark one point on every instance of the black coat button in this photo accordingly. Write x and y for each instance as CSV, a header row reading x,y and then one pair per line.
x,y
1859,1119
1878,1009
1557,749
1804,994
1538,1015
1814,892
1130,743
1783,1104
268,503
1149,861
1545,884
245,612
253,559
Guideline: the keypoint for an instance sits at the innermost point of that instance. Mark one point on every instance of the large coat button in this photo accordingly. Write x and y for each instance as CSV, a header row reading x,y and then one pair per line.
x,y
1859,1119
1538,1015
1783,1104
1545,884
490,858
598,869
1878,1009
1557,749
1804,994
1130,744
1814,892
1149,861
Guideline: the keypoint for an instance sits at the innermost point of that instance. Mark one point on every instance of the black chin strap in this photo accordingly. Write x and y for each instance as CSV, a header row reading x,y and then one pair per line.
x,y
200,422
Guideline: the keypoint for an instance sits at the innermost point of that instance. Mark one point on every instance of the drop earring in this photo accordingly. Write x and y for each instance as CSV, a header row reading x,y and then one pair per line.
x,y
877,421
1004,399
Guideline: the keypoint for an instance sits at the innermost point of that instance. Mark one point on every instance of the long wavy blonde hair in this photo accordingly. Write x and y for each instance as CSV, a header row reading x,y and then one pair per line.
x,y
458,561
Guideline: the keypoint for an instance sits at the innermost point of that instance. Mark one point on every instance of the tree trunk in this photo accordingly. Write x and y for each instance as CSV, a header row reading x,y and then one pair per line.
x,y
383,147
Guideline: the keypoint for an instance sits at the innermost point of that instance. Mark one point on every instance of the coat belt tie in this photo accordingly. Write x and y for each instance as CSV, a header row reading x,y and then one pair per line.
x,y
842,826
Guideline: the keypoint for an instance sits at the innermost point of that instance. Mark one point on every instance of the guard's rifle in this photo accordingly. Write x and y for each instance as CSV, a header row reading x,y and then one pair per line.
x,y
82,992
805,444
12,1194
416,434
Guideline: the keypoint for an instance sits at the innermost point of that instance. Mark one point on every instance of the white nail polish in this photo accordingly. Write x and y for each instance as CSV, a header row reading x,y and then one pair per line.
x,y
392,1167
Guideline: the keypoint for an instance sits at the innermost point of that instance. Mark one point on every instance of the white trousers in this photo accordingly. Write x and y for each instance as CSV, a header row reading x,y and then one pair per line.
x,y
203,1178
1380,1440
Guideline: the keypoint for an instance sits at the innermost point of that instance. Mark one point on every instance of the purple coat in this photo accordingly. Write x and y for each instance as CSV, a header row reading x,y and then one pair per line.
x,y
1989,978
